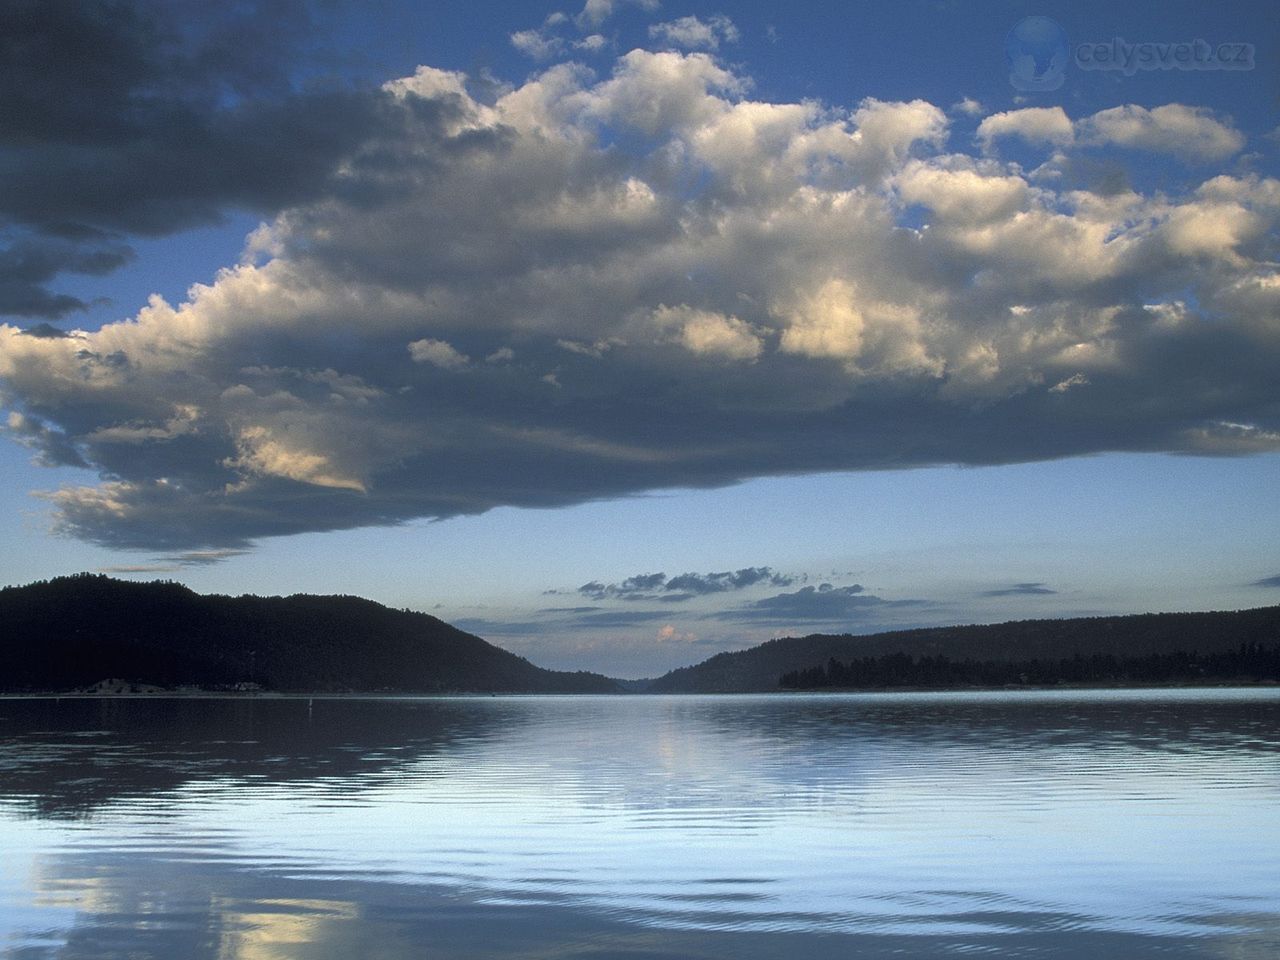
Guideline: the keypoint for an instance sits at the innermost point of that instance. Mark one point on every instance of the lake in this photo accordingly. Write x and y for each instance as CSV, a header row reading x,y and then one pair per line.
x,y
1125,824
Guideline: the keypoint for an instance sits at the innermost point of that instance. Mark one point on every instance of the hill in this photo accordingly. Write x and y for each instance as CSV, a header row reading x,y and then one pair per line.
x,y
71,633
1128,638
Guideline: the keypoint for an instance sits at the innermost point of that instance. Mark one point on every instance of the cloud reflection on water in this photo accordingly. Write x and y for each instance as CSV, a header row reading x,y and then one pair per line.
x,y
1064,824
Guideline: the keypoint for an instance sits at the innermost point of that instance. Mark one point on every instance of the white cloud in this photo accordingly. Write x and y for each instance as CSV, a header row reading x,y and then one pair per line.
x,y
596,12
890,130
825,323
501,355
261,452
429,83
691,33
1212,229
438,354
837,321
544,43
710,333
1191,132
964,192
594,43
663,92
1073,381
595,350
1049,125
538,44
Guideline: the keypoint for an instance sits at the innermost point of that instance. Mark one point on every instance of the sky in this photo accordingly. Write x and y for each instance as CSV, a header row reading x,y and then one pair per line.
x,y
627,333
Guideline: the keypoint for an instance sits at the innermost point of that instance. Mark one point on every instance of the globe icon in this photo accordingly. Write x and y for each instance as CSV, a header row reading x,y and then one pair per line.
x,y
1037,53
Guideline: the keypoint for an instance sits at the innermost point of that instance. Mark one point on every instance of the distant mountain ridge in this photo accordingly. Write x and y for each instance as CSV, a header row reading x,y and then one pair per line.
x,y
759,669
71,633
93,632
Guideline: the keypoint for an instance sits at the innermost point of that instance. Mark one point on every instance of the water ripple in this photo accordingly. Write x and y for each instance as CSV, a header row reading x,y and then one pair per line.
x,y
1131,822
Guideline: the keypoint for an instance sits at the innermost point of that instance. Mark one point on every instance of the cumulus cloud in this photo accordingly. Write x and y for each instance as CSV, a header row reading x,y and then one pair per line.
x,y
710,333
1191,132
691,33
589,286
1034,124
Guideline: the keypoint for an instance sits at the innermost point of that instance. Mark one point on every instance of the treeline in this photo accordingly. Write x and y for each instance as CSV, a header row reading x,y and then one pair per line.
x,y
1248,663
72,632
1126,638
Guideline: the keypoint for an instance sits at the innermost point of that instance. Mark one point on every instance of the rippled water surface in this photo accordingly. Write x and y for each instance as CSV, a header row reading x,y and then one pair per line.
x,y
1046,825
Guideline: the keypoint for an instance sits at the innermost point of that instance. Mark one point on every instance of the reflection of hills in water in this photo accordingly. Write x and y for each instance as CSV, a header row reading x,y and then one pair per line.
x,y
1051,824
66,757
1028,721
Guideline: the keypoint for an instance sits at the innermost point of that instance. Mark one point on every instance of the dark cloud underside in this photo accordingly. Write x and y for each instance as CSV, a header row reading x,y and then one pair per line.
x,y
130,117
592,286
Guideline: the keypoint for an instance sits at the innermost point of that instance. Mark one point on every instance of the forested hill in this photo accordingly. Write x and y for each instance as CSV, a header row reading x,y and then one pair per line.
x,y
1124,639
72,632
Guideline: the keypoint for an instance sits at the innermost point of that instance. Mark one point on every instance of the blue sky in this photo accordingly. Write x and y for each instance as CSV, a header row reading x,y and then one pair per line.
x,y
502,313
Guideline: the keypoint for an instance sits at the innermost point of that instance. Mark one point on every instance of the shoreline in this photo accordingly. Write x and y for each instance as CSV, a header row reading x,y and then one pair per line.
x,y
471,695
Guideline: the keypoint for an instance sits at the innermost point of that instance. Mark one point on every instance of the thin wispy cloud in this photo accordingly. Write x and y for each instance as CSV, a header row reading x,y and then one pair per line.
x,y
821,604
128,568
1020,590
684,586
560,620
693,33
178,561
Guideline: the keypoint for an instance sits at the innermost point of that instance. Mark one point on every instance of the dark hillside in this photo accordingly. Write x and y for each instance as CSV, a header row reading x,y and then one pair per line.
x,y
1122,638
72,632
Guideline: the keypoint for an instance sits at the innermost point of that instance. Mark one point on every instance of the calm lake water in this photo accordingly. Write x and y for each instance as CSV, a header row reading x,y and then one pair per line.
x,y
1045,825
